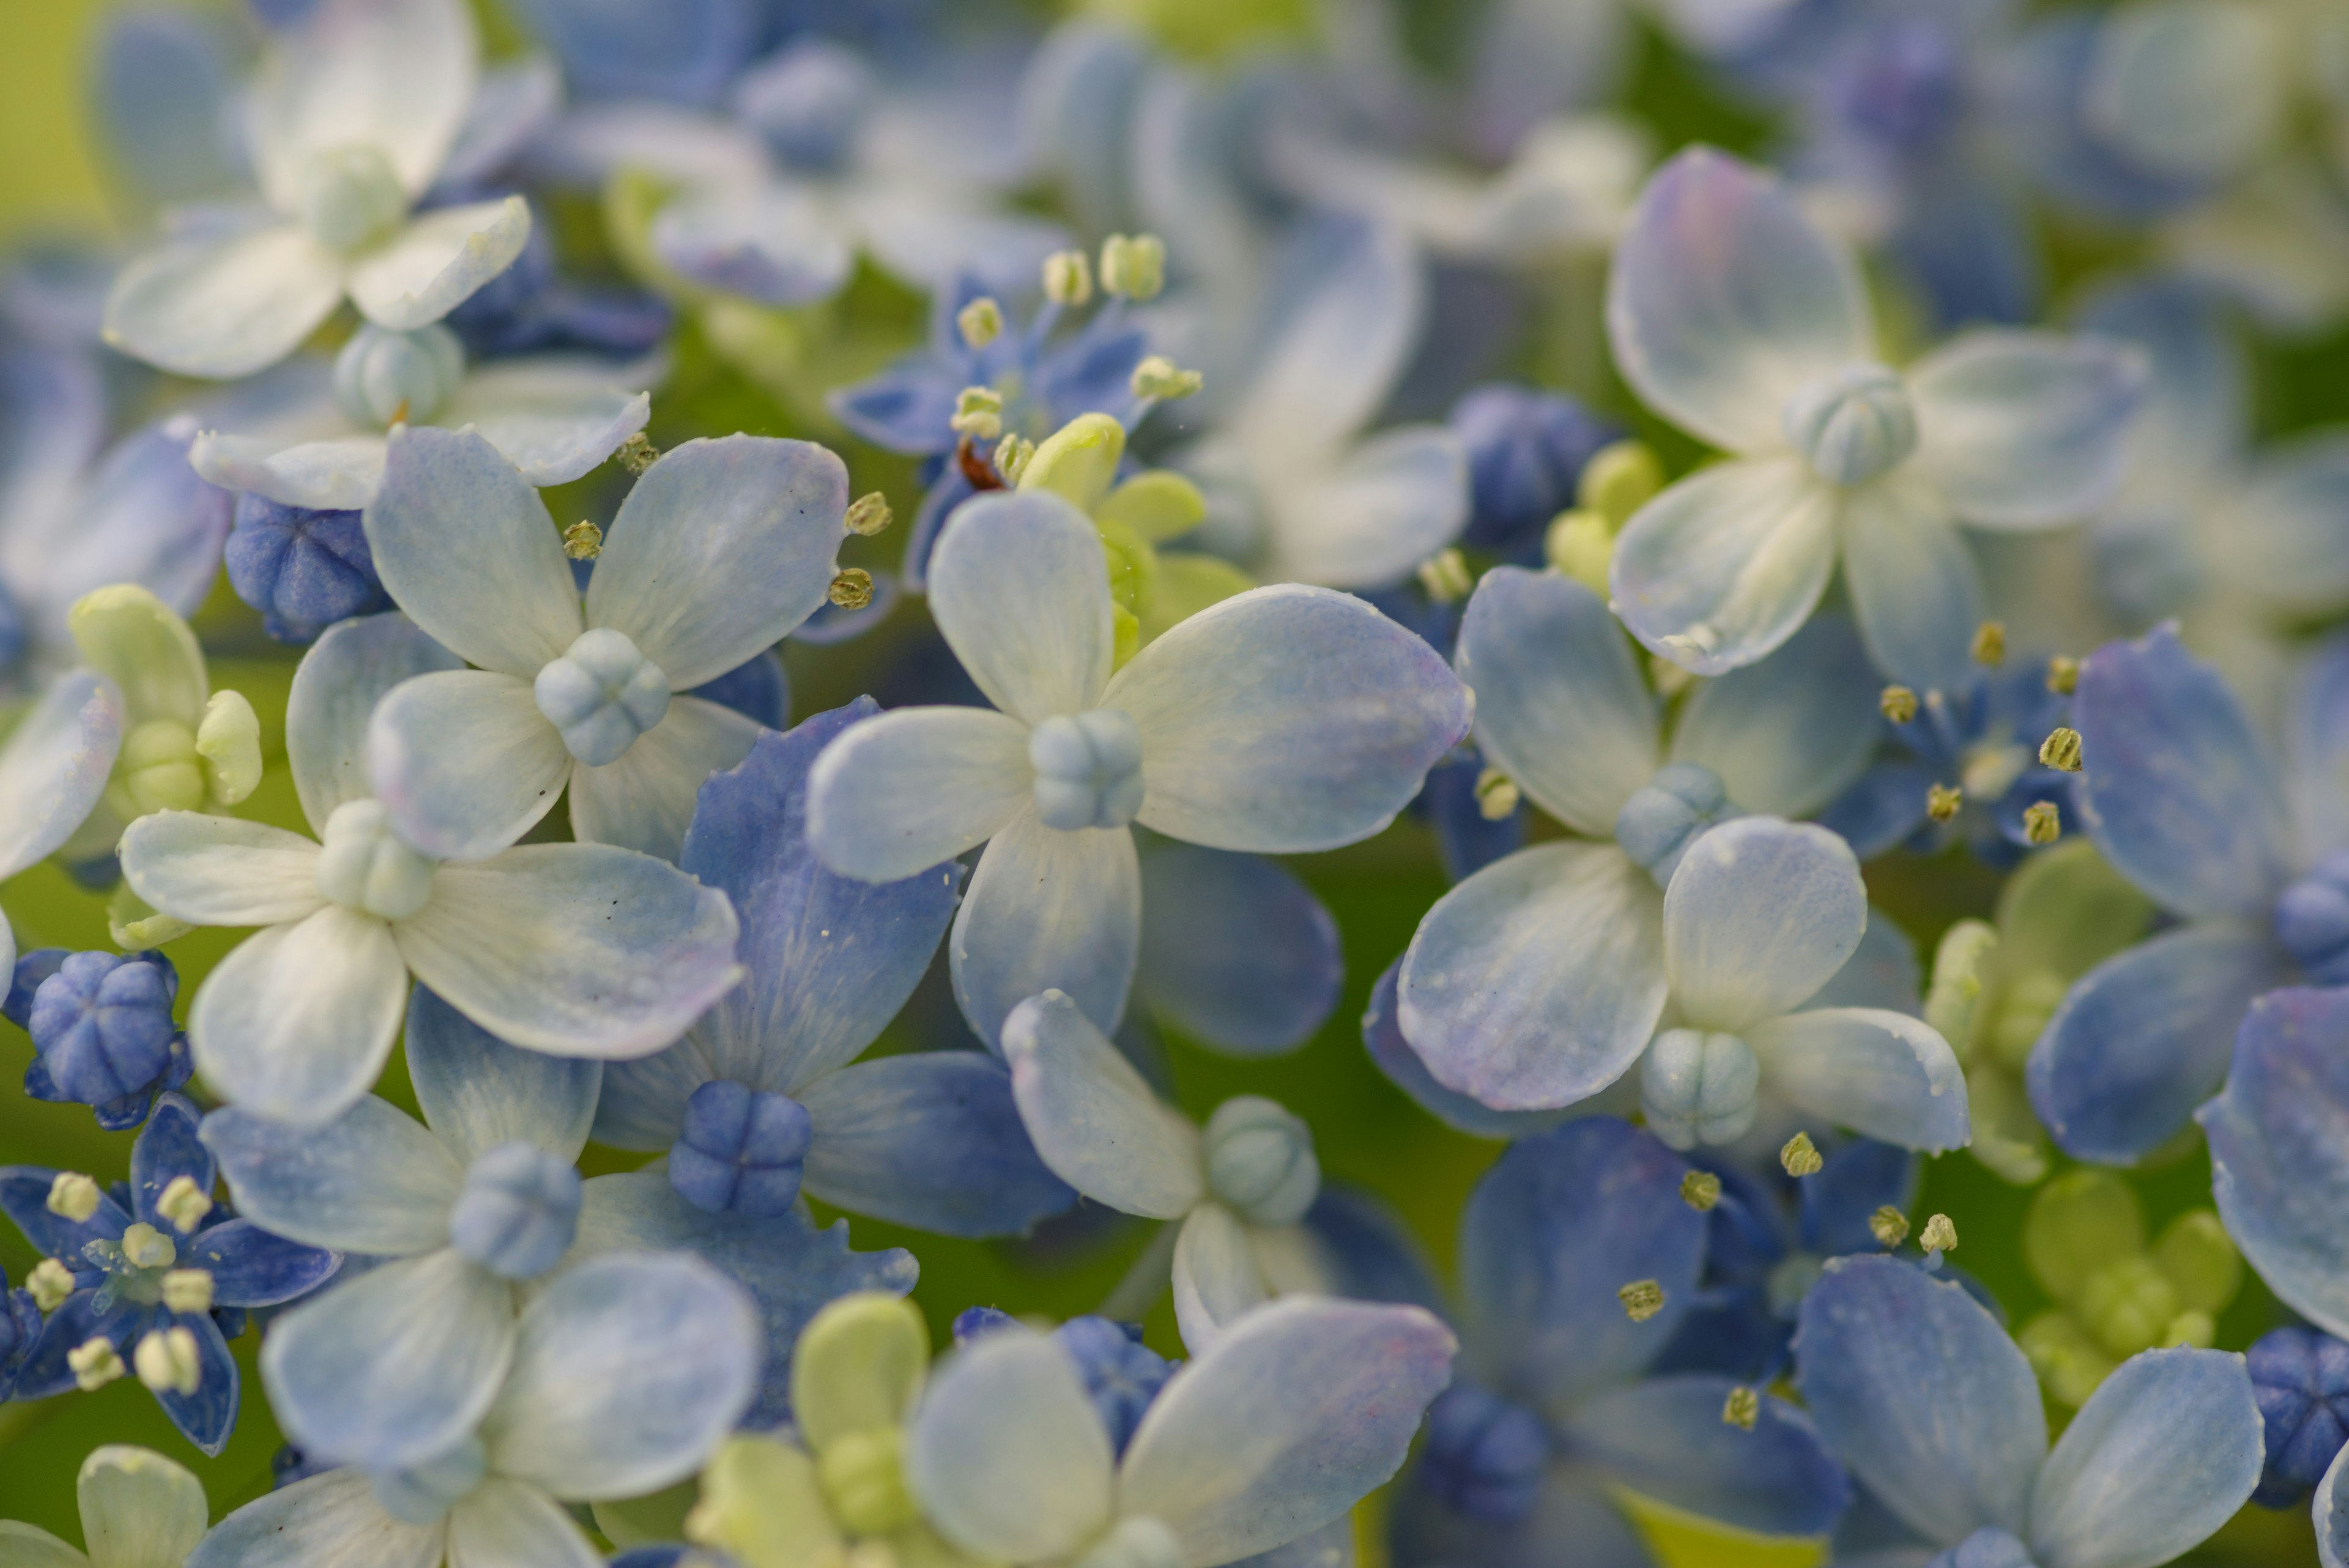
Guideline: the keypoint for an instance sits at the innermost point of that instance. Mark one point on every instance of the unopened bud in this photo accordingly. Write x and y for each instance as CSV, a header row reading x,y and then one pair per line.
x,y
183,1204
73,1196
1990,644
583,541
1444,577
637,454
1741,1409
1888,1226
980,322
1618,480
1068,277
166,1359
1159,377
2042,823
1701,1189
1496,796
1801,1156
2061,750
2063,675
187,1290
1897,703
1641,1299
1012,457
1133,266
94,1364
979,413
51,1282
1941,802
851,589
1581,544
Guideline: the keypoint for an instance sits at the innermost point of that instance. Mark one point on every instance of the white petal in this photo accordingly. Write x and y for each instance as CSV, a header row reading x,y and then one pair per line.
x,y
330,1518
374,1181
1727,564
53,765
722,547
1914,587
1006,1455
644,801
1216,1280
465,547
435,264
1338,348
296,1023
902,792
1019,588
502,1523
1885,1076
1759,915
628,1370
337,475
1723,300
397,75
1379,511
223,308
336,689
30,1546
1286,719
464,761
221,870
578,949
138,1509
477,1093
554,415
1048,910
2021,430
1093,1119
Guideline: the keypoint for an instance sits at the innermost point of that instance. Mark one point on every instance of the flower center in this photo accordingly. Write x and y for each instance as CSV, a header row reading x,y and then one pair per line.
x,y
519,1211
1665,815
134,1266
386,377
423,1494
1260,1160
349,196
1853,425
1088,770
1484,1455
158,768
365,866
1698,1088
602,694
741,1150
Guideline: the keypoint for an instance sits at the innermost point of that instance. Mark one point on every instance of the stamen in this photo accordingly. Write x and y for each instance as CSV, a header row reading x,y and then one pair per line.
x,y
1159,377
73,1196
1801,1156
1941,802
1444,577
1497,795
1641,1299
1741,1409
51,1282
869,515
637,454
94,1364
2063,675
1990,644
1701,1189
2061,749
851,589
183,1204
2042,823
583,541
167,1361
1888,1226
1068,277
980,322
979,413
1939,1236
1012,457
187,1290
1134,267
1897,703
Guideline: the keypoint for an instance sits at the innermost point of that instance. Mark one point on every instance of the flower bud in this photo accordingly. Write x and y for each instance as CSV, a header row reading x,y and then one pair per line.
x,y
519,1211
1260,1160
740,1150
601,694
1665,815
1852,425
386,377
363,865
1088,769
1696,1087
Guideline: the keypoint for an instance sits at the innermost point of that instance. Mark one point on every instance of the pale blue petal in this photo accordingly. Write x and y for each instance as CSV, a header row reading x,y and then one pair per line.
x,y
221,870
2279,1150
1536,982
1236,951
1723,300
465,547
2143,1038
512,105
436,263
2162,1454
2284,538
477,1092
53,765
1324,720
395,73
164,81
790,1268
1665,1440
393,1367
55,406
929,238
1789,734
1560,706
1331,1546
1374,515
1557,1226
2176,789
1921,1395
464,760
2023,429
554,415
341,473
645,800
772,244
1914,587
1216,1277
1048,910
1095,1120
1882,974
1382,1037
223,307
932,1140
685,54
1075,113
252,1267
372,1181
1019,588
330,1518
1006,1456
1333,354
1368,1252
1571,1512
503,1524
1760,914
299,1018
2196,415
830,958
336,689
905,411
147,518
722,547
1886,1075
1725,565
2329,1509
627,1372
580,950
910,789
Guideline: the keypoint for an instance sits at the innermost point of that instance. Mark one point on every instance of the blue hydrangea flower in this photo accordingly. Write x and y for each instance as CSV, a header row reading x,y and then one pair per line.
x,y
352,115
2301,1377
1920,1393
1526,450
101,1027
1324,718
2183,797
721,549
151,1264
1556,1401
578,949
1292,1416
621,1378
20,1330
1121,1374
303,567
1740,321
765,1097
532,308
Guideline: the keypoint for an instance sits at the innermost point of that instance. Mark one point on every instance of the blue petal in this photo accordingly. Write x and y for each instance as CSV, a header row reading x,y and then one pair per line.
x,y
45,1370
252,1267
1665,1439
1370,1252
1382,1037
1468,839
166,1150
684,53
1790,734
24,1199
1573,1521
1858,1178
2176,786
1885,806
931,1140
208,1416
1236,952
165,90
1883,973
905,411
477,1092
2142,1039
1560,1225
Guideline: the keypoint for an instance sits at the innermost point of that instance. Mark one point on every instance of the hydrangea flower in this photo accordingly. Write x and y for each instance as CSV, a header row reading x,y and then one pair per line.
x,y
352,116
1743,324
722,547
138,1509
1121,1374
155,1277
2182,797
1279,721
102,1031
1527,450
579,948
1537,981
2300,1378
1556,1402
1920,1392
624,1376
1283,1423
765,1097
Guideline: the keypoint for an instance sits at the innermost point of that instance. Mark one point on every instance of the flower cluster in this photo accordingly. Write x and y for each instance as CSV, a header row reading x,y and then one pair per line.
x,y
1508,766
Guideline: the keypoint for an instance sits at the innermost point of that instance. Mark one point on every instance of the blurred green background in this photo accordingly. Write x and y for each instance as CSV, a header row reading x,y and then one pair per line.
x,y
51,182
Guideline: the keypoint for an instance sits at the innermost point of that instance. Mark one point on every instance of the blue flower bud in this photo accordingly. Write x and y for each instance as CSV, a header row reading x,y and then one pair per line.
x,y
302,570
1121,1374
740,1151
971,1322
1485,1457
102,1023
1663,818
1260,1160
2300,1378
423,1494
32,969
1526,452
1989,1547
385,378
518,1212
1698,1087
602,694
2312,921
1088,770
20,1325
1901,88
808,101
1853,425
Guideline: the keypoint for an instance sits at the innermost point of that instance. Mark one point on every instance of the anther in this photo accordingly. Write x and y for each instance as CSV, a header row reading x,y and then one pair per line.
x,y
51,1282
1741,1409
183,1204
1159,377
979,413
1940,1234
94,1364
2061,750
637,454
2042,823
1701,1189
1897,703
851,589
1068,277
73,1196
1888,1226
1990,644
1941,802
869,515
1444,577
1133,266
583,541
1641,1299
1012,457
145,1247
1801,1156
980,322
166,1359
187,1290
1497,795
2063,675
